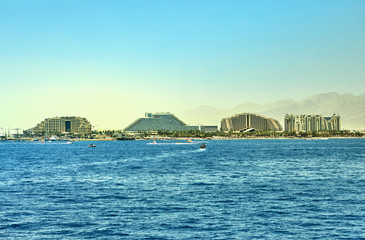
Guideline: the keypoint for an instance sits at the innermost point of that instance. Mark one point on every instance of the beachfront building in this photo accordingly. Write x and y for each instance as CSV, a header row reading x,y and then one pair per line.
x,y
243,121
311,123
57,125
159,122
209,128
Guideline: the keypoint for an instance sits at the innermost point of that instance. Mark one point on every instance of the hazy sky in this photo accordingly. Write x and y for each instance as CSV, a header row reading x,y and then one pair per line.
x,y
111,61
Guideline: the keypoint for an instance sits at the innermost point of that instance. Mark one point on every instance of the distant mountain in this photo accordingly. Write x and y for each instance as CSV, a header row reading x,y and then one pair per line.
x,y
351,109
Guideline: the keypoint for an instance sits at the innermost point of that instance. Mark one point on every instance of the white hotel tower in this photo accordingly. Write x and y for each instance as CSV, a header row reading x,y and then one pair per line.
x,y
310,123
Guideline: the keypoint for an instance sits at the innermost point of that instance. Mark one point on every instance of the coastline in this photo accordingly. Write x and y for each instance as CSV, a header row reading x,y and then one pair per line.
x,y
192,139
226,138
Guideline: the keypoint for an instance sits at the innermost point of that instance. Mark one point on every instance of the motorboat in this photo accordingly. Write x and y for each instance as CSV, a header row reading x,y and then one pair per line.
x,y
203,146
91,145
53,138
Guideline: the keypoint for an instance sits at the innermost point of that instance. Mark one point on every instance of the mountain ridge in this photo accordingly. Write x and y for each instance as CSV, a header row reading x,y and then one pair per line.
x,y
348,106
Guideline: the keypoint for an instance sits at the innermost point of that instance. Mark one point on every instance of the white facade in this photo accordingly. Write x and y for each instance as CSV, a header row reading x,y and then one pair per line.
x,y
310,123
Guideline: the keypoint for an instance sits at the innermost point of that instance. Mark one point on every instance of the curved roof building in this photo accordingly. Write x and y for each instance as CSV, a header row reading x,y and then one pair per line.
x,y
249,120
159,121
64,125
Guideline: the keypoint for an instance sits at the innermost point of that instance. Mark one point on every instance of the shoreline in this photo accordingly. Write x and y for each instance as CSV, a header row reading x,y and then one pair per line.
x,y
228,138
194,139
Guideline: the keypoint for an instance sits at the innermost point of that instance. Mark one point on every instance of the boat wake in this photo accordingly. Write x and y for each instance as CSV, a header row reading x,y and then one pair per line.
x,y
51,143
174,143
176,153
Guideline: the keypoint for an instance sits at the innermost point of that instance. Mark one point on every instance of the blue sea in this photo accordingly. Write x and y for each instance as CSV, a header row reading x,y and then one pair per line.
x,y
235,189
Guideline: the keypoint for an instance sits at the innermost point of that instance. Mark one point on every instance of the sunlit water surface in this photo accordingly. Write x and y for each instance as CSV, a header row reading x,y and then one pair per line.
x,y
237,189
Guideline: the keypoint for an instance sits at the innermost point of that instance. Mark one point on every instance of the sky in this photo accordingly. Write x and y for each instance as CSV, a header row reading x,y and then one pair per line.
x,y
112,61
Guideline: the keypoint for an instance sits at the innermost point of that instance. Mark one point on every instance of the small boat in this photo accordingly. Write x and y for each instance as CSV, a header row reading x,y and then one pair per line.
x,y
203,146
53,138
91,145
153,143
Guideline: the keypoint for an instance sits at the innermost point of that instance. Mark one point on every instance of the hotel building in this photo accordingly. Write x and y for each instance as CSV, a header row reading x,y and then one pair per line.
x,y
244,121
159,122
63,125
310,123
209,128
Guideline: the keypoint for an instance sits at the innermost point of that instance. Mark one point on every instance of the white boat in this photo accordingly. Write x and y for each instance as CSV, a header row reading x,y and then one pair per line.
x,y
53,138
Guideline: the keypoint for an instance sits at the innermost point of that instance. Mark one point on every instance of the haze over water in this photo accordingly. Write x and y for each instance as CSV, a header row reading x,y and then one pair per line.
x,y
235,189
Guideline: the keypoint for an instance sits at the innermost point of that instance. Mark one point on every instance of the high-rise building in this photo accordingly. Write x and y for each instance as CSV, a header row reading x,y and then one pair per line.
x,y
63,125
244,121
159,121
310,123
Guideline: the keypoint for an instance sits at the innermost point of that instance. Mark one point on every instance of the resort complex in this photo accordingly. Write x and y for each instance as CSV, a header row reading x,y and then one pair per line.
x,y
310,123
158,122
244,121
56,125
166,125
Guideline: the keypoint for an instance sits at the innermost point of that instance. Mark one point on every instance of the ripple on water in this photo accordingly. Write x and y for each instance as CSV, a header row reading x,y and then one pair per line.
x,y
268,189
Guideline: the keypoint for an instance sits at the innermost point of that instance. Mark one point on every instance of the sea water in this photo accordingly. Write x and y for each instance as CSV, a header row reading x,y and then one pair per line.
x,y
234,189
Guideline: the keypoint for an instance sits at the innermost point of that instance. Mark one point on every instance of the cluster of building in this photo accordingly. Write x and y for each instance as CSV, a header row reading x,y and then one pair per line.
x,y
169,122
153,122
310,123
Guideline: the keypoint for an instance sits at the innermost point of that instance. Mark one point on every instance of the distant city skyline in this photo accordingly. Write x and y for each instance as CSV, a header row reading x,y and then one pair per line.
x,y
111,61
